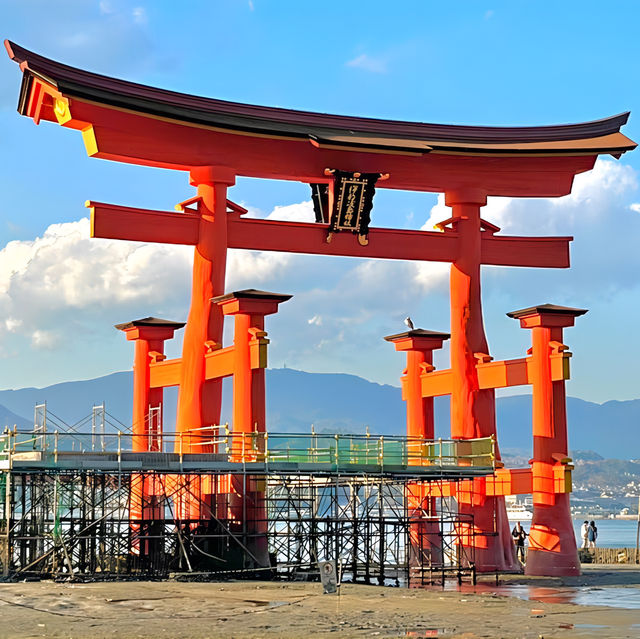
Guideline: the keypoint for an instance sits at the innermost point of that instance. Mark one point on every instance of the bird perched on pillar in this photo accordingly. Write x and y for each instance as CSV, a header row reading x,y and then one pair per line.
x,y
409,323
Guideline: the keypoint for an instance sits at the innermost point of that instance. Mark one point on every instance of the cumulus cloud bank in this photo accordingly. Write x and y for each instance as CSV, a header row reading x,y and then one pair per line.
x,y
53,281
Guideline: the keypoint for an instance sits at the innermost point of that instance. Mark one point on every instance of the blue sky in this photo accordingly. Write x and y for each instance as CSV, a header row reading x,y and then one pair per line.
x,y
495,63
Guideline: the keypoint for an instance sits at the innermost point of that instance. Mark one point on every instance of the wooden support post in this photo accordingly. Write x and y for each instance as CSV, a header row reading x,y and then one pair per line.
x,y
424,535
419,345
149,335
473,409
199,400
249,355
552,544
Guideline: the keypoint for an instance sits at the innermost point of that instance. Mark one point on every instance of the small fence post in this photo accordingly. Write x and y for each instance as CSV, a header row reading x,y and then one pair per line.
x,y
254,443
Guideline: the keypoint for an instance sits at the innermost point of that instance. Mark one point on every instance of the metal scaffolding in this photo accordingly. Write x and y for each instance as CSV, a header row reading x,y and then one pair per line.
x,y
270,507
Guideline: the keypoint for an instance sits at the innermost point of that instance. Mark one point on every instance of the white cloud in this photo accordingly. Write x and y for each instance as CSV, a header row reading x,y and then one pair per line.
x,y
301,212
595,191
64,278
603,260
245,268
65,269
635,207
44,340
12,324
368,63
139,15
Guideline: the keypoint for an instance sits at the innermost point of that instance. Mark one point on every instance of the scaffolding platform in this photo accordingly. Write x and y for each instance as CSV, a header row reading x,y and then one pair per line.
x,y
269,506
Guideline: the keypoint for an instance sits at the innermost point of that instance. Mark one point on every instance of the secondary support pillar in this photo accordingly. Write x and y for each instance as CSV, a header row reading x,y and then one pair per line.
x,y
146,508
424,532
149,335
552,543
247,493
419,345
472,409
200,400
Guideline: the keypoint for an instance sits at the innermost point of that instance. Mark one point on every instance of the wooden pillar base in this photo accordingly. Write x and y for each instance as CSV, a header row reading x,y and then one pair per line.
x,y
552,541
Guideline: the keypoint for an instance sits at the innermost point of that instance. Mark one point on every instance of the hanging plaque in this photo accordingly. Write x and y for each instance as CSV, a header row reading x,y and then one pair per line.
x,y
353,197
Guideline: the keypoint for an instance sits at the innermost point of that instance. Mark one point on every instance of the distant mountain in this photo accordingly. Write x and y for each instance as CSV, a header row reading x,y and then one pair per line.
x,y
611,429
10,419
72,401
336,402
340,403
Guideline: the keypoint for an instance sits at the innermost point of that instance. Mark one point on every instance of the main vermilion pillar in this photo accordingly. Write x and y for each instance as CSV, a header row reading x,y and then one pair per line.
x,y
472,409
199,400
424,531
552,543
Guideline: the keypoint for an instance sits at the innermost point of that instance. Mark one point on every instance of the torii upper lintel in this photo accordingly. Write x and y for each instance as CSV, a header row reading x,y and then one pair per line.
x,y
129,122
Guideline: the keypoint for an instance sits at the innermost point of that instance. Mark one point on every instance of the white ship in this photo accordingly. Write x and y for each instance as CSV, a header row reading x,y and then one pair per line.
x,y
519,512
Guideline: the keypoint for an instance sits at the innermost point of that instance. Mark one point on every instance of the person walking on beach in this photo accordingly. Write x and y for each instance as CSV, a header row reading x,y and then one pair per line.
x,y
519,536
592,535
584,533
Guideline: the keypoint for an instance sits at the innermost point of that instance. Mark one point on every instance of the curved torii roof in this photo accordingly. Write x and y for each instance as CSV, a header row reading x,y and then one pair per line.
x,y
130,122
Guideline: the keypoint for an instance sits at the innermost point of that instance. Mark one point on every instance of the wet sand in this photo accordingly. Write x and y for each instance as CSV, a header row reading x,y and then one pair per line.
x,y
277,609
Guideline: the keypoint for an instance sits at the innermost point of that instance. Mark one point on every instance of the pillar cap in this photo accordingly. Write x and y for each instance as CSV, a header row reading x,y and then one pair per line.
x,y
212,175
150,322
417,332
250,302
547,309
251,294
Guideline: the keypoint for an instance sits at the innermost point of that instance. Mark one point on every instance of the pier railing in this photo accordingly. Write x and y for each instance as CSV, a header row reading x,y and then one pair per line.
x,y
225,445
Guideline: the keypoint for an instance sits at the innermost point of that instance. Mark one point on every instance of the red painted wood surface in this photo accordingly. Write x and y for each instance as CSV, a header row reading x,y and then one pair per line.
x,y
472,408
552,544
128,137
143,225
199,399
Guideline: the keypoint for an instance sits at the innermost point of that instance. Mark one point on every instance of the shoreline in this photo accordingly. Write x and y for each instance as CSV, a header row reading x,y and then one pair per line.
x,y
245,609
601,518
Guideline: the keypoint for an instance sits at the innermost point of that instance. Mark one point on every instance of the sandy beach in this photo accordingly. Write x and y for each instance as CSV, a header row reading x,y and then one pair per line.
x,y
277,609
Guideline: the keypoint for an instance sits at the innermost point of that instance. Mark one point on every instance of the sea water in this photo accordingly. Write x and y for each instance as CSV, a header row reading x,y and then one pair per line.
x,y
612,533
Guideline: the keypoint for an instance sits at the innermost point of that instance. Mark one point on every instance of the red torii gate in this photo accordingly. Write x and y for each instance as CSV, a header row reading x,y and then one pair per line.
x,y
215,141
